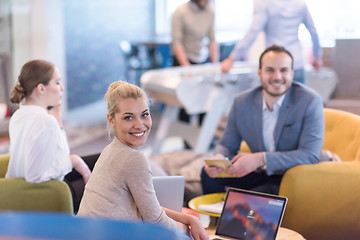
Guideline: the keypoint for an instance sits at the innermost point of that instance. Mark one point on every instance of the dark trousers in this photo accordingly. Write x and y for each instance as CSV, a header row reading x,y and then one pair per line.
x,y
259,182
183,116
76,183
176,62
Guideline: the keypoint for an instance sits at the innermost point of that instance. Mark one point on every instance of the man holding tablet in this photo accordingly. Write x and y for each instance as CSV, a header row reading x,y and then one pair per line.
x,y
281,121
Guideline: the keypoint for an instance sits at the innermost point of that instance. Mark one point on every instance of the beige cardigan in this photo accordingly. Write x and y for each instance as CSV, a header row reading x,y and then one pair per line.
x,y
121,187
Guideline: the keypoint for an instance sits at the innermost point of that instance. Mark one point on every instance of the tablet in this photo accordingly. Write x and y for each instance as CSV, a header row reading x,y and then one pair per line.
x,y
223,163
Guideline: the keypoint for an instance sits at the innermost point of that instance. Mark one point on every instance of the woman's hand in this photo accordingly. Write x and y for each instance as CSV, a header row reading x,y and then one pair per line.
x,y
195,229
80,166
189,223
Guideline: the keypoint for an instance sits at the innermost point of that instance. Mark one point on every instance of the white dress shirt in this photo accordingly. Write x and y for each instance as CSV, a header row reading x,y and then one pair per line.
x,y
39,150
280,20
269,122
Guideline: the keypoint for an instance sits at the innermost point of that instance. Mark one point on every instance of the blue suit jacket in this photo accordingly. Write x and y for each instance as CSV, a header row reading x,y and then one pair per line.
x,y
298,134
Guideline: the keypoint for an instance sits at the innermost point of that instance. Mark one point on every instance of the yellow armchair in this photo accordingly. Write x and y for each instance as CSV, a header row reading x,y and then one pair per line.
x,y
18,195
4,162
324,199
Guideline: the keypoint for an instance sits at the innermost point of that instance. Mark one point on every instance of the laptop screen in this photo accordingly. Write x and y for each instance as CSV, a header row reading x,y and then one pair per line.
x,y
251,215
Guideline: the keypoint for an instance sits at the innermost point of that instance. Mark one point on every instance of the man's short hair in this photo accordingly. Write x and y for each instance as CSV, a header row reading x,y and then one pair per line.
x,y
278,49
196,2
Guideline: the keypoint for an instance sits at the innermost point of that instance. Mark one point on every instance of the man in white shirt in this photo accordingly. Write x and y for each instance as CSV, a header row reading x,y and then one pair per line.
x,y
280,20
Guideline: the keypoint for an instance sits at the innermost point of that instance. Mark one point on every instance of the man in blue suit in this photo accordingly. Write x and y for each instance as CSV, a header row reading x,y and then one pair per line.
x,y
282,122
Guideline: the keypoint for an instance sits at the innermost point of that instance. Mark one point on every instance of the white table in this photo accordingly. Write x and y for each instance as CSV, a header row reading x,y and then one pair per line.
x,y
197,89
203,88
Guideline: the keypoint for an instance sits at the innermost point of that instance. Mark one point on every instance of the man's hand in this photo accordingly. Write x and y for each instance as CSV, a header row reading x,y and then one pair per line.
x,y
226,64
316,63
245,163
180,55
213,171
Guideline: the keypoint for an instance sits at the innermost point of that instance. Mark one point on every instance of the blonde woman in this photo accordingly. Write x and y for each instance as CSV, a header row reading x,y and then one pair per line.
x,y
120,186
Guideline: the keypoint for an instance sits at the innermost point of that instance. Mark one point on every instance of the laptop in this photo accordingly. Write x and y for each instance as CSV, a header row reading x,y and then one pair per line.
x,y
170,191
250,215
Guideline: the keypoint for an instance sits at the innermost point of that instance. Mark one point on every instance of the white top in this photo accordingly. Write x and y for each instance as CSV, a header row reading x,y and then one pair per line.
x,y
39,150
280,20
269,122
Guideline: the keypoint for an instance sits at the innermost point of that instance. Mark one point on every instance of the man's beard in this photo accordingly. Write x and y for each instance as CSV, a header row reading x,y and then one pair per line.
x,y
275,94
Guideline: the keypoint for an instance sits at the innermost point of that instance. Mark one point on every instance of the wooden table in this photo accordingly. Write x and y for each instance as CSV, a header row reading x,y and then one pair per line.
x,y
283,234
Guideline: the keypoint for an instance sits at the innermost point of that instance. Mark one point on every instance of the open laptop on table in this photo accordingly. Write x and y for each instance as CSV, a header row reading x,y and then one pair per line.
x,y
250,215
170,191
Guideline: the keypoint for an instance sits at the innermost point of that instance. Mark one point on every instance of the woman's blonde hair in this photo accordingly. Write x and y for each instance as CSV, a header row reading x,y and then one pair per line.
x,y
122,90
31,75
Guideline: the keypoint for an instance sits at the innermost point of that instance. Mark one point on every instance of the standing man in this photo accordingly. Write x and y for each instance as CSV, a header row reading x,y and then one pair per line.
x,y
192,22
280,20
281,121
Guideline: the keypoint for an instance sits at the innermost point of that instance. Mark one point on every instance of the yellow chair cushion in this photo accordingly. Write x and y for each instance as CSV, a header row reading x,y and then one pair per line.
x,y
244,147
4,162
342,134
18,195
323,200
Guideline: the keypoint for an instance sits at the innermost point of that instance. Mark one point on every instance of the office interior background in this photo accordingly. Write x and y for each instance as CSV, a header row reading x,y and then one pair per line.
x,y
83,37
90,42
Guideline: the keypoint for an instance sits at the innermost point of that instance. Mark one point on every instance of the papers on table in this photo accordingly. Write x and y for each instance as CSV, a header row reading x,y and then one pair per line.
x,y
214,208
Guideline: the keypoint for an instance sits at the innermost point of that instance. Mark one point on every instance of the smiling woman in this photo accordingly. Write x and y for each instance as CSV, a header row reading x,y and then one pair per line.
x,y
129,116
121,186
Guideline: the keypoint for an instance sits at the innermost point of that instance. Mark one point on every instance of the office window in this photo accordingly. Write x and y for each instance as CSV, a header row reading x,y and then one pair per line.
x,y
231,16
333,18
163,12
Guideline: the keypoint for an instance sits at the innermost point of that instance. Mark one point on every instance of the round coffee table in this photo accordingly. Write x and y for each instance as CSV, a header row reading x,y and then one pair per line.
x,y
207,199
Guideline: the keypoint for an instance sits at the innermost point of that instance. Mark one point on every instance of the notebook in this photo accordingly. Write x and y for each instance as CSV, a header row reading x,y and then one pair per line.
x,y
250,215
170,191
